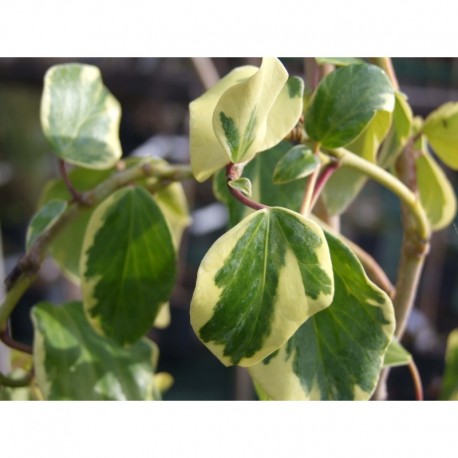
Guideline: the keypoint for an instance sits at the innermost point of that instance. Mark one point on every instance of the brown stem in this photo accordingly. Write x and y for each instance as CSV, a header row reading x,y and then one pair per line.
x,y
77,196
322,180
232,173
14,344
416,380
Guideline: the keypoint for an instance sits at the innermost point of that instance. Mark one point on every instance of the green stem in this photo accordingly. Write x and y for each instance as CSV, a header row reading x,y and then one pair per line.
x,y
27,268
347,158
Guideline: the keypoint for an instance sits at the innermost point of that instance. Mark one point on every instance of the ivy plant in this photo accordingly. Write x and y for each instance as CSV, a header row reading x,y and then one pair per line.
x,y
310,314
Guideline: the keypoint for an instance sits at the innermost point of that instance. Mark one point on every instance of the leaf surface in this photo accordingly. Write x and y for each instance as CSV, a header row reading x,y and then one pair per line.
x,y
127,265
338,353
73,362
345,102
80,117
298,162
258,283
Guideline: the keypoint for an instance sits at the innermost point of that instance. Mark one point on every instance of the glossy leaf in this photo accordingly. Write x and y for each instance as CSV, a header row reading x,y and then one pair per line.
x,y
441,128
241,184
399,131
80,117
44,219
127,265
259,172
248,111
73,362
66,246
436,192
396,355
345,102
338,353
339,61
449,390
298,162
258,283
345,184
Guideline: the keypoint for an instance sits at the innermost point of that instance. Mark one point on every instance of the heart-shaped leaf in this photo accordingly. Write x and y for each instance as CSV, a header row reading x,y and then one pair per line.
x,y
80,117
242,184
258,283
127,265
338,353
345,102
73,362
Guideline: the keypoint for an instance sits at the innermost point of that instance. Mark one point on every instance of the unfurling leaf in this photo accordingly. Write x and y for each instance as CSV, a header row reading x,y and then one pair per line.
x,y
345,102
258,283
241,184
127,265
80,117
396,355
338,353
248,111
73,362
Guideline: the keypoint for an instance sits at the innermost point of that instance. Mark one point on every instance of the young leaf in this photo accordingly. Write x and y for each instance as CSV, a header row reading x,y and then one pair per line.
x,y
436,193
259,172
44,219
338,353
242,184
258,283
80,117
72,362
298,162
441,128
345,102
345,184
127,265
396,355
248,111
449,389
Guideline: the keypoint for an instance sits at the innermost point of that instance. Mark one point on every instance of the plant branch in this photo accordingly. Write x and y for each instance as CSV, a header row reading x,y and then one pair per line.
x,y
24,273
14,344
328,170
77,197
407,197
416,380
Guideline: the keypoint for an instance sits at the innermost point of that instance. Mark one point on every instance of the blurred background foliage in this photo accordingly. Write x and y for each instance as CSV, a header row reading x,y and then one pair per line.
x,y
154,94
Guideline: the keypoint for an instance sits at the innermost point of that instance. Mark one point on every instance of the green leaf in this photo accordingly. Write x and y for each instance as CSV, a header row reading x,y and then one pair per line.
x,y
441,128
248,111
241,184
72,362
449,389
127,265
436,192
258,283
345,102
297,163
399,131
396,355
339,61
44,219
345,184
338,353
259,172
66,246
80,117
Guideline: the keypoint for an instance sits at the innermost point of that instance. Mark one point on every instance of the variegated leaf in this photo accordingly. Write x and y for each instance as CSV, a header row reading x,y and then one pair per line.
x,y
127,265
396,355
80,117
258,283
251,110
338,353
345,102
297,163
73,362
